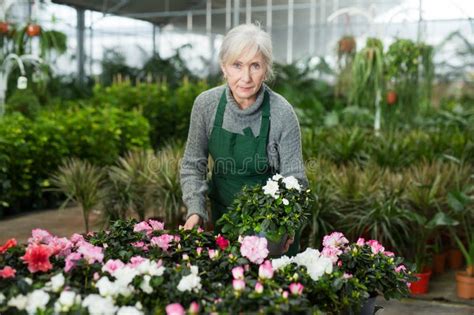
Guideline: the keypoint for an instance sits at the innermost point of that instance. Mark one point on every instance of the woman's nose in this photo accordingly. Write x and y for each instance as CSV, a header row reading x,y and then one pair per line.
x,y
246,75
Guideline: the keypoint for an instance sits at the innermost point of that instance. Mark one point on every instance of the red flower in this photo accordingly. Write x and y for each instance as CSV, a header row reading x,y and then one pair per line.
x,y
37,258
222,242
8,244
7,272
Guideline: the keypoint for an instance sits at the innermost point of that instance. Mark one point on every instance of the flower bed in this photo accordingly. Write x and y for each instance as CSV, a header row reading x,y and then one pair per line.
x,y
141,268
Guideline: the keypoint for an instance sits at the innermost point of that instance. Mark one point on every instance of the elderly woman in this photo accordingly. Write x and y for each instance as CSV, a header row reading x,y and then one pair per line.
x,y
250,131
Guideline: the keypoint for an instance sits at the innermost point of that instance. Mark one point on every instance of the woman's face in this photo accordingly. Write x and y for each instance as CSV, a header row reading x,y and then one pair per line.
x,y
245,76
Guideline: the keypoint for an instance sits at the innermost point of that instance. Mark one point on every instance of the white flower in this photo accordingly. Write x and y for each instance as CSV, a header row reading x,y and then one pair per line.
x,y
308,257
271,188
66,300
57,282
106,287
37,300
2,298
129,310
154,270
285,201
139,305
18,301
145,285
281,262
276,177
125,275
190,282
321,266
291,182
29,280
98,305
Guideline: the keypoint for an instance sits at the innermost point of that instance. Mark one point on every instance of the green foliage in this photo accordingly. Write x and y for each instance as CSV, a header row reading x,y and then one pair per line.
x,y
25,102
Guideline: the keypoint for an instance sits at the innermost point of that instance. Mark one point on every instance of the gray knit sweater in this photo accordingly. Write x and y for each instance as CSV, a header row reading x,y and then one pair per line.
x,y
283,150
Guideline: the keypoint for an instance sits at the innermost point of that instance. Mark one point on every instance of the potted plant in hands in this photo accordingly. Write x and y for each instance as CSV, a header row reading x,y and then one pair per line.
x,y
275,211
463,211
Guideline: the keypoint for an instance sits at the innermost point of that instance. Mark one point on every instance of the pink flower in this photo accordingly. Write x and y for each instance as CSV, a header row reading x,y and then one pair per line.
x,y
238,272
7,272
400,268
331,253
375,246
335,239
142,227
91,253
238,284
389,254
136,261
254,248
40,236
213,253
339,263
176,238
296,288
199,251
200,230
360,241
60,246
37,258
285,294
175,309
194,308
162,241
112,265
8,244
222,242
96,276
265,271
77,239
140,245
71,261
347,275
156,225
258,287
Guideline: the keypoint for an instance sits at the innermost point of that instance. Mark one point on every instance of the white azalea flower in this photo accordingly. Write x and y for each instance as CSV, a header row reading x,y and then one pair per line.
x,y
125,275
129,310
18,301
285,201
66,300
271,188
154,270
321,266
194,270
190,282
276,177
308,257
281,262
145,285
37,300
29,280
291,182
2,298
98,305
57,282
106,287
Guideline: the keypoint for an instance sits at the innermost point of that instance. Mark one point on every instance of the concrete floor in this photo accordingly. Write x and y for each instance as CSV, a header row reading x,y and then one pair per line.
x,y
441,298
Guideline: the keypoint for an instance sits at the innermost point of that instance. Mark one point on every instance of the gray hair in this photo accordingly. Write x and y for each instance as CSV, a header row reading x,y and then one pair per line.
x,y
250,38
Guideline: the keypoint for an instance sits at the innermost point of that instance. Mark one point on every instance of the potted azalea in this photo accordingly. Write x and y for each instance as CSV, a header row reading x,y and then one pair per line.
x,y
275,210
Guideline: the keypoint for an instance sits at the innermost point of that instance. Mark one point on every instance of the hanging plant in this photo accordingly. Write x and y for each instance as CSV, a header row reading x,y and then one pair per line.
x,y
33,30
391,97
4,27
346,45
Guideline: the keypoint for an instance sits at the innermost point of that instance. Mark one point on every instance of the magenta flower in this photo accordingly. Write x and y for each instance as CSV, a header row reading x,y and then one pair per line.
x,y
254,248
296,288
112,265
175,309
400,268
7,272
71,261
77,239
60,246
238,284
376,246
142,226
360,241
194,308
335,239
162,241
265,271
238,272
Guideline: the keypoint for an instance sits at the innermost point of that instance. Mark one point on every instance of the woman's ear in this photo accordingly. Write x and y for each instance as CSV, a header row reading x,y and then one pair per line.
x,y
223,71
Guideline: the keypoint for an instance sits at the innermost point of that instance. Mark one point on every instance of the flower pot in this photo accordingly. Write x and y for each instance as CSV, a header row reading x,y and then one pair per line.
x,y
368,307
464,285
421,286
275,248
439,263
3,27
391,97
33,30
347,45
455,259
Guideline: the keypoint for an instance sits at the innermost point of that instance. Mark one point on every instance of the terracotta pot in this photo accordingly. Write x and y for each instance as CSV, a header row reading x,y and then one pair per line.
x,y
33,30
439,262
4,27
455,259
464,285
347,45
421,286
391,97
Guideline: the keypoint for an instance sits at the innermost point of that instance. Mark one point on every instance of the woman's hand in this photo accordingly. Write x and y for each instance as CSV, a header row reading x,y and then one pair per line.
x,y
193,220
288,244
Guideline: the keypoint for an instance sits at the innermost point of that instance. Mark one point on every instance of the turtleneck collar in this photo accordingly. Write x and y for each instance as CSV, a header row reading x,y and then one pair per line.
x,y
234,107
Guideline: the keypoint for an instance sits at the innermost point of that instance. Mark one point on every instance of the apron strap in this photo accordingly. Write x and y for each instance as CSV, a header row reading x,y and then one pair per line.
x,y
265,125
220,111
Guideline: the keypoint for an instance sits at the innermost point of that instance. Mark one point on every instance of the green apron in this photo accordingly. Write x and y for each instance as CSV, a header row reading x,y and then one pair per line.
x,y
239,160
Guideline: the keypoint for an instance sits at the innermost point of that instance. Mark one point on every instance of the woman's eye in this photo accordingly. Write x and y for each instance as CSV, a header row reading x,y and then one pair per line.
x,y
256,66
237,65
